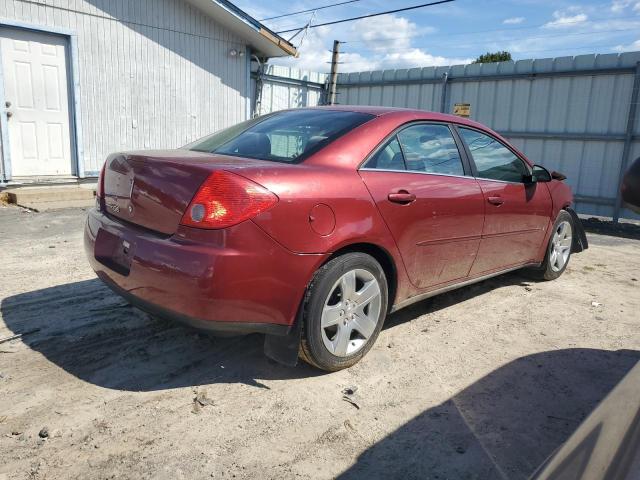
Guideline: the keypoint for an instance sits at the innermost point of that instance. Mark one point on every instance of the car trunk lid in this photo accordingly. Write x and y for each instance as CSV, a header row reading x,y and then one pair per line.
x,y
153,189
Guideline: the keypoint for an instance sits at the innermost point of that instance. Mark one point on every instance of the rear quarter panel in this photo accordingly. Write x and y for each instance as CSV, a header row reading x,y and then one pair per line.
x,y
308,192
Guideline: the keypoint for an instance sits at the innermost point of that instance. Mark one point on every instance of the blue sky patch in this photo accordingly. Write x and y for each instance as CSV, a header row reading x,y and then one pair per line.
x,y
452,33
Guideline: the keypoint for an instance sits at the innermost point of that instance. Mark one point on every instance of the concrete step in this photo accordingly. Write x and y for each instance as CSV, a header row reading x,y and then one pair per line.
x,y
48,198
46,206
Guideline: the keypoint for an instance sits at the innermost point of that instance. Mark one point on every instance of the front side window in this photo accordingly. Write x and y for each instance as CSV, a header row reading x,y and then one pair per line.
x,y
493,160
430,149
288,136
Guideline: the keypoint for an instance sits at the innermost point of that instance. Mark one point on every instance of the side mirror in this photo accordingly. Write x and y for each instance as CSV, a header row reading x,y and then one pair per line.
x,y
540,174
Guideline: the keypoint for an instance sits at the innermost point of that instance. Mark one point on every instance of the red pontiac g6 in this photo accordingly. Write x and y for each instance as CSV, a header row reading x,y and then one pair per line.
x,y
311,225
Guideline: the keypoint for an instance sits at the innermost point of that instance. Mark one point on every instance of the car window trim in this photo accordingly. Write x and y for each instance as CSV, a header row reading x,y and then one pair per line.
x,y
471,160
466,166
381,147
404,156
415,172
469,166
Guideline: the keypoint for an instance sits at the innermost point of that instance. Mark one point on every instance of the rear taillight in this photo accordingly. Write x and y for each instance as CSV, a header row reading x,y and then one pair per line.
x,y
100,188
226,199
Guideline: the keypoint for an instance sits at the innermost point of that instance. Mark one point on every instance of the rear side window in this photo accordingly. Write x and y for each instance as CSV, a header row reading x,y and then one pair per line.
x,y
288,136
388,157
493,160
430,149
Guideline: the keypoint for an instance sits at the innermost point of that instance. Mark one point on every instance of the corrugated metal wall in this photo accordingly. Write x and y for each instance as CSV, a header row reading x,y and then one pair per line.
x,y
569,114
152,73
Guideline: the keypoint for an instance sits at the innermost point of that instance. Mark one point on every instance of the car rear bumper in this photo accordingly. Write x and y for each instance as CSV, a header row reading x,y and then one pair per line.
x,y
236,280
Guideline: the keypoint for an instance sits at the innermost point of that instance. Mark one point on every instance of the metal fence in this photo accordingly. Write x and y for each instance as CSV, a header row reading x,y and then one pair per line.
x,y
279,88
577,115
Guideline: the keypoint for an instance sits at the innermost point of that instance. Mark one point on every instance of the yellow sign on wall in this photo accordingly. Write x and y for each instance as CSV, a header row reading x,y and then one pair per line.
x,y
462,109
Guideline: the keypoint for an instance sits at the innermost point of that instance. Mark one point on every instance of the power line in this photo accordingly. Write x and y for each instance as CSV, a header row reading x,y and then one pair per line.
x,y
308,11
631,19
369,16
305,30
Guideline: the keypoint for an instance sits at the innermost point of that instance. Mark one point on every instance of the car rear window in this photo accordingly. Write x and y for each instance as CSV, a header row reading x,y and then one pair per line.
x,y
288,136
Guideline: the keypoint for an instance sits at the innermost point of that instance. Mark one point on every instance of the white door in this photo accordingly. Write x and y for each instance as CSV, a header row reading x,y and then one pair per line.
x,y
34,67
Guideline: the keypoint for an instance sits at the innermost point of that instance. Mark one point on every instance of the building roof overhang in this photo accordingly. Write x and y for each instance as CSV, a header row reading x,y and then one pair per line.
x,y
263,41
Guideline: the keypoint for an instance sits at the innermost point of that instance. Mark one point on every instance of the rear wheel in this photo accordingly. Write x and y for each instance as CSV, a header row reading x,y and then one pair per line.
x,y
344,310
559,248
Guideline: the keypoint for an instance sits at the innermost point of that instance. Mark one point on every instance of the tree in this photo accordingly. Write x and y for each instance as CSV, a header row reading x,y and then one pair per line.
x,y
494,57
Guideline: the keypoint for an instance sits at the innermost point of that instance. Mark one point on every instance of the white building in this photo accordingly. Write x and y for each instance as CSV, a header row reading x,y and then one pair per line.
x,y
80,79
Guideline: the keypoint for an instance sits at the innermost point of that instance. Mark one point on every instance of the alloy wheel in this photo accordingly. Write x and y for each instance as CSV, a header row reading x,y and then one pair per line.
x,y
351,312
560,246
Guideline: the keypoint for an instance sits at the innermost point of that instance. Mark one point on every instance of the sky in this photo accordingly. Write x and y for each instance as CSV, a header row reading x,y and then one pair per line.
x,y
452,33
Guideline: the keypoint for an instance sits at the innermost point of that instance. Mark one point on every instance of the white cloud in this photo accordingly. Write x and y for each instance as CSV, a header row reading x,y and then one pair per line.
x,y
513,20
385,32
313,54
390,39
374,44
634,46
620,6
416,57
356,62
570,17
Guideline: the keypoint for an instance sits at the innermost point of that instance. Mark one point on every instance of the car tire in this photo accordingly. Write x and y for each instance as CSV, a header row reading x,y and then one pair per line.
x,y
559,248
344,310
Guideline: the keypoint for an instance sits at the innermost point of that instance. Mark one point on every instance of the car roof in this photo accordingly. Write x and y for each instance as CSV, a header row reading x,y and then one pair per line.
x,y
409,113
405,115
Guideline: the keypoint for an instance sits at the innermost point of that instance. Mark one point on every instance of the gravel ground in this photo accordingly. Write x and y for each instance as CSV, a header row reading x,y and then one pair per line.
x,y
484,382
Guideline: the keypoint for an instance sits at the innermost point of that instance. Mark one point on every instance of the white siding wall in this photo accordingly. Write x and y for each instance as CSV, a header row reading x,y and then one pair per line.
x,y
152,73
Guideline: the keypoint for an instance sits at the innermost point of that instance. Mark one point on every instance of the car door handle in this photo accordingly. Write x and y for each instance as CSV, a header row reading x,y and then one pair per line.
x,y
495,200
402,197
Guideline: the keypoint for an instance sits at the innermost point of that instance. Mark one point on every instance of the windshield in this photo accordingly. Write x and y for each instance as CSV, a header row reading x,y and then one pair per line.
x,y
289,136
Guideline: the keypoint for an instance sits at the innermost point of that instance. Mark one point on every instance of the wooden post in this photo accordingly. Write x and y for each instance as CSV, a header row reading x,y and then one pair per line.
x,y
333,77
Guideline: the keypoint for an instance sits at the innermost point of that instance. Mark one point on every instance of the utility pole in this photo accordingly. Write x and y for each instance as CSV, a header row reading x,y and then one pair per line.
x,y
333,78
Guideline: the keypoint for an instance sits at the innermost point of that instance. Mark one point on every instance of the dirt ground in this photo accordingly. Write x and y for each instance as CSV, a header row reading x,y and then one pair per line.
x,y
484,382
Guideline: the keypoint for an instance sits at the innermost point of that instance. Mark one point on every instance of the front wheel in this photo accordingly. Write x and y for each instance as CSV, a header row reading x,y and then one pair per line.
x,y
559,248
344,310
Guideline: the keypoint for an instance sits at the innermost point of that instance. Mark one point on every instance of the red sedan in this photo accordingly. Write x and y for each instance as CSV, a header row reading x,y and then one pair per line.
x,y
311,225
